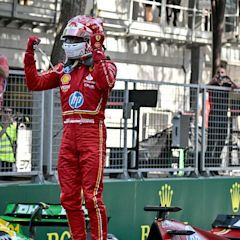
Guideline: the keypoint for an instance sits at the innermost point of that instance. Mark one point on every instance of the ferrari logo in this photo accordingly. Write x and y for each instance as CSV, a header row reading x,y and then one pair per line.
x,y
98,37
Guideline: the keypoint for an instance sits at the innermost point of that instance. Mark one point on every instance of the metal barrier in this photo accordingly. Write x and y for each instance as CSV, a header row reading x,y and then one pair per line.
x,y
155,150
221,146
178,137
180,107
27,118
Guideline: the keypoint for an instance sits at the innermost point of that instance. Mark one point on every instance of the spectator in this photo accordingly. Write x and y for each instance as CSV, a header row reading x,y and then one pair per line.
x,y
149,11
8,138
8,127
85,81
173,11
218,119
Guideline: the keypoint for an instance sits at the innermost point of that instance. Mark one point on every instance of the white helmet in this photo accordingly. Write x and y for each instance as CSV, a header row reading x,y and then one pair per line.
x,y
81,27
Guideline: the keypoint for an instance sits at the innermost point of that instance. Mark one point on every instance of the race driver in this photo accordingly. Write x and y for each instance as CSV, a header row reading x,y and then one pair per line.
x,y
85,80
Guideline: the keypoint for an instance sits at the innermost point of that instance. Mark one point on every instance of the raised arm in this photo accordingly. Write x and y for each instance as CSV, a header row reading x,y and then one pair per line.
x,y
104,68
38,81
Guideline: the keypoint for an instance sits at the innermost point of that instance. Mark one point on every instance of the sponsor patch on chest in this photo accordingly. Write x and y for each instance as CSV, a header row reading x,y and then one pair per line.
x,y
65,79
91,86
89,82
89,77
65,88
76,100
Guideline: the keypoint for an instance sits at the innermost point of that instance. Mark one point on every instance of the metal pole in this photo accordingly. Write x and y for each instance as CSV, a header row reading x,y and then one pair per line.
x,y
163,13
194,20
131,11
48,133
125,133
203,146
40,173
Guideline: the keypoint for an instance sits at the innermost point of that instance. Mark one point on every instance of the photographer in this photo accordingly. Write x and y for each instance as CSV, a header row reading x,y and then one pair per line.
x,y
218,118
222,79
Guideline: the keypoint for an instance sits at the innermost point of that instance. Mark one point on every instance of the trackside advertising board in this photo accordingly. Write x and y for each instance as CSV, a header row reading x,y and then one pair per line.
x,y
201,199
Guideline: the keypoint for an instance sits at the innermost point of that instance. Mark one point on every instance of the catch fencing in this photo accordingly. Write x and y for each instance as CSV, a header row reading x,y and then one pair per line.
x,y
170,132
27,113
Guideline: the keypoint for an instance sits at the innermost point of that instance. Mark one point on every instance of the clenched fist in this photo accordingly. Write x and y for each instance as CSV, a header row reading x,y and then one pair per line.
x,y
97,40
32,40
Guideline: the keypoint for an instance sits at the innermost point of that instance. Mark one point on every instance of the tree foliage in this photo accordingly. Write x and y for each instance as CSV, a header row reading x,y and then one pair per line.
x,y
69,9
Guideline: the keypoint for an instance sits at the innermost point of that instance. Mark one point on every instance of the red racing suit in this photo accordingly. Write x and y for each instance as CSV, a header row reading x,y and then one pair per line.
x,y
84,93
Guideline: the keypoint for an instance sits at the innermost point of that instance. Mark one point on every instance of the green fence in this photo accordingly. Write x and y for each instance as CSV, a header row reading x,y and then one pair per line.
x,y
201,199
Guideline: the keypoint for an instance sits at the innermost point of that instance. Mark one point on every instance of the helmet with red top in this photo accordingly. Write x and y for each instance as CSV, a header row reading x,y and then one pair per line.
x,y
77,34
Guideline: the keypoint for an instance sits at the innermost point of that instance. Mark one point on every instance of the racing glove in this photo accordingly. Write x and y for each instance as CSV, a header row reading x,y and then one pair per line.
x,y
29,55
96,41
32,40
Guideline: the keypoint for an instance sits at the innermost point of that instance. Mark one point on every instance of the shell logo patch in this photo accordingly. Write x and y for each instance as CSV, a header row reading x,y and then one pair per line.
x,y
66,78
